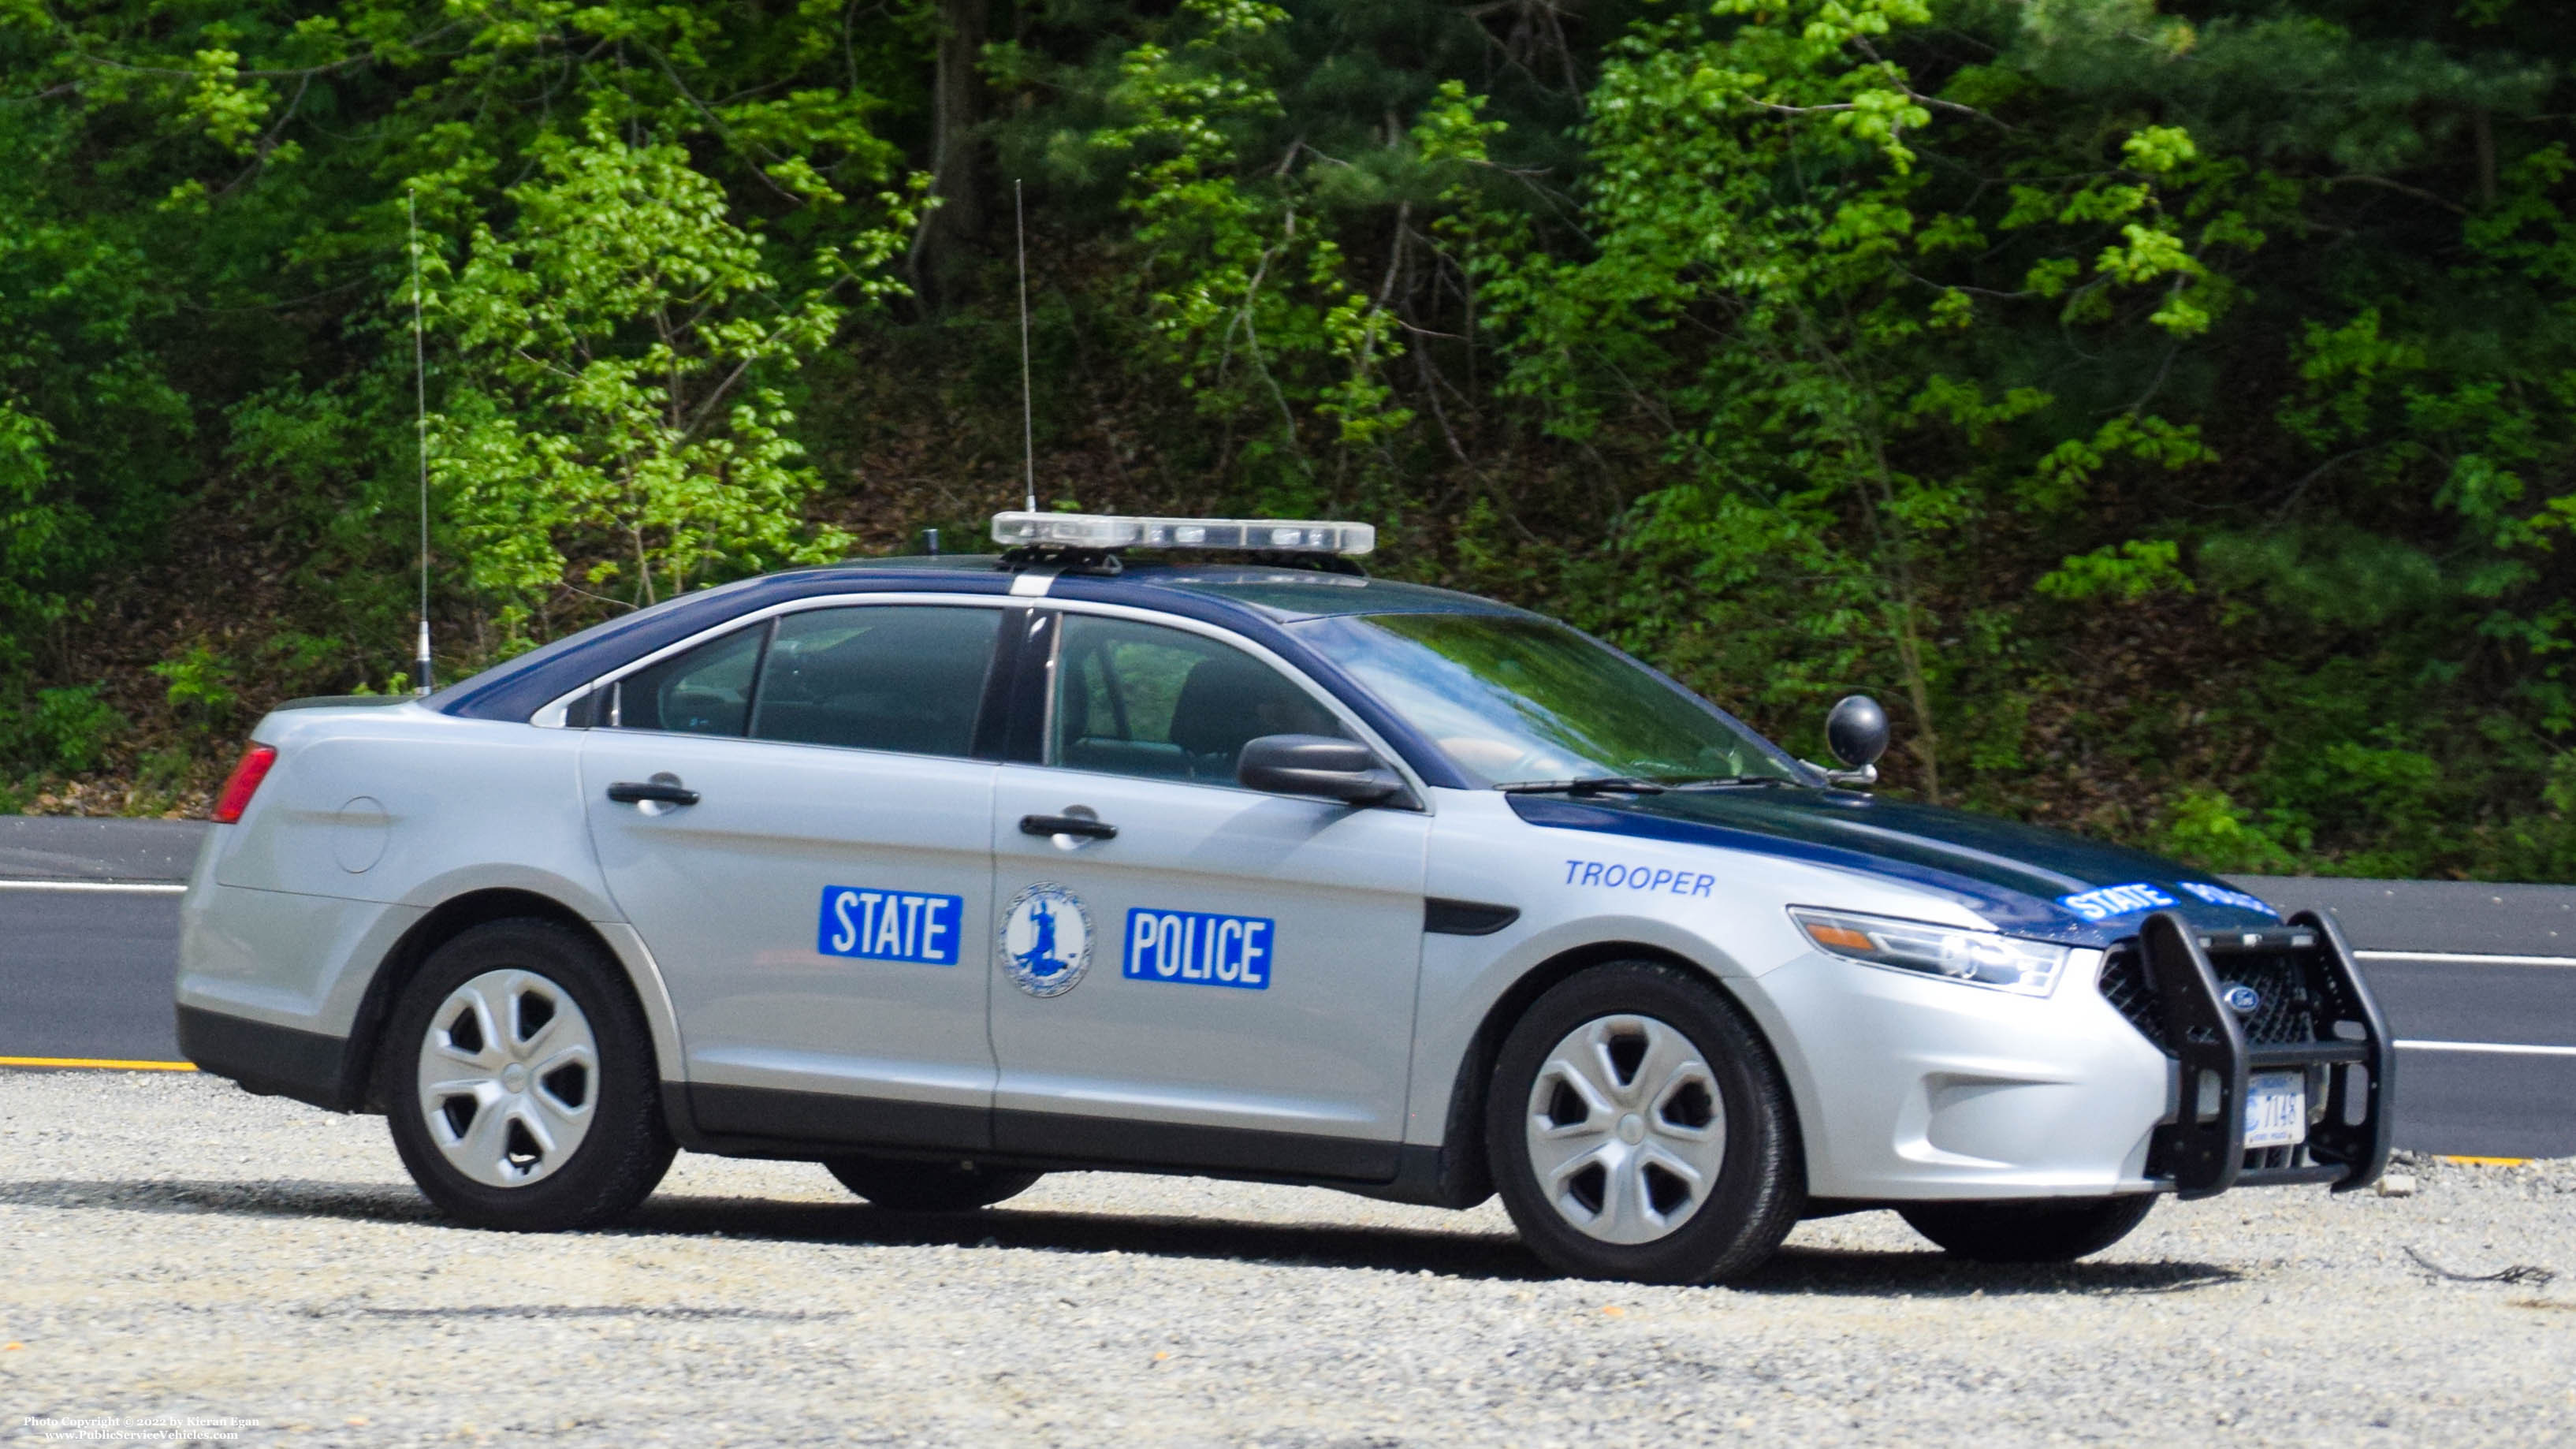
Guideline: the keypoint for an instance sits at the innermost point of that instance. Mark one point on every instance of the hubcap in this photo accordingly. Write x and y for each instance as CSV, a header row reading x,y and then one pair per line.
x,y
1626,1129
509,1073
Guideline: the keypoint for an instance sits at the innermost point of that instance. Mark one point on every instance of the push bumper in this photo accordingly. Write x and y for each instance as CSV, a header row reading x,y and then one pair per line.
x,y
2201,1151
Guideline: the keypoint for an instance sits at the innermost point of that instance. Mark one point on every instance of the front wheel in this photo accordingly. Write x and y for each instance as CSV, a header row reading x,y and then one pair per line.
x,y
521,1081
1639,1129
928,1187
2047,1231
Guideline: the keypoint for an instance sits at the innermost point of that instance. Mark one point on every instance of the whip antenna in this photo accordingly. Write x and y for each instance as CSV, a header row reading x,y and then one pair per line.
x,y
1028,425
420,398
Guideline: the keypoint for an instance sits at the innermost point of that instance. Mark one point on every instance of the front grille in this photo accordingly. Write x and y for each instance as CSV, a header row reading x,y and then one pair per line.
x,y
2124,985
2296,984
2286,980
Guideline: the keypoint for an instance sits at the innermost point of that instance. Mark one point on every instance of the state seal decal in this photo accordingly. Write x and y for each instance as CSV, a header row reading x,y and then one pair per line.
x,y
1046,940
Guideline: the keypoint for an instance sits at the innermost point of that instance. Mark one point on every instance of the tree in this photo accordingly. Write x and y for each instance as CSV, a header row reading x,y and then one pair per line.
x,y
611,399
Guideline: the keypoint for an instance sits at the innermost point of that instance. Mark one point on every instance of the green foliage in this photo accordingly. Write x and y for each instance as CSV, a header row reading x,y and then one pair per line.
x,y
2170,408
2205,825
1254,312
203,685
2128,571
65,730
605,402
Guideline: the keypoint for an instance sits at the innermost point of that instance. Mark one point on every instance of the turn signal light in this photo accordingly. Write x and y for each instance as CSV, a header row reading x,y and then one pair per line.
x,y
243,783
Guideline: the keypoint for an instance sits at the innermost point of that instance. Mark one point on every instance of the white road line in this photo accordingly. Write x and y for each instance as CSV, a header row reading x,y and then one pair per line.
x,y
2502,1048
2453,958
154,888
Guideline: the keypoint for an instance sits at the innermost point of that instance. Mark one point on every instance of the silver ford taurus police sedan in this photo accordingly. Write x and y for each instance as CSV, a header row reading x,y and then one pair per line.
x,y
947,872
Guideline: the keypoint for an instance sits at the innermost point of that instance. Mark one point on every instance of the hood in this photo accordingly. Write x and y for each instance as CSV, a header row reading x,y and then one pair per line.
x,y
2027,880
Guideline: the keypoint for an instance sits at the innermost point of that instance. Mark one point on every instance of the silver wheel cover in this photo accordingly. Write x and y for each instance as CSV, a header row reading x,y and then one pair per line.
x,y
1626,1129
509,1078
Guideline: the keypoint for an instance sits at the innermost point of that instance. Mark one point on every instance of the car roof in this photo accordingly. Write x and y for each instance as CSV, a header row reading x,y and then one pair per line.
x,y
1254,598
1287,595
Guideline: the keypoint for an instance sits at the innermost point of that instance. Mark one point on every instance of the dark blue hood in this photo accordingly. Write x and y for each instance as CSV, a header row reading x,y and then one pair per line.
x,y
2027,880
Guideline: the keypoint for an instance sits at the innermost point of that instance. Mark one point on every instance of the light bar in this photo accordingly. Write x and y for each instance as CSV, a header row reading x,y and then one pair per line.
x,y
1259,535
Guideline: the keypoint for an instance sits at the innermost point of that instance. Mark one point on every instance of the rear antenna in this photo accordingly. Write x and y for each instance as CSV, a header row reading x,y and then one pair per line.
x,y
1028,424
421,682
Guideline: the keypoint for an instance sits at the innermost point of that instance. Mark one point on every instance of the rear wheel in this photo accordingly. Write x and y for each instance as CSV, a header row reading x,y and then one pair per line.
x,y
929,1187
521,1081
1639,1129
2046,1231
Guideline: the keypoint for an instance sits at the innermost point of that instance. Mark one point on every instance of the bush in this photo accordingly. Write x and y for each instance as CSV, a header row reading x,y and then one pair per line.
x,y
66,731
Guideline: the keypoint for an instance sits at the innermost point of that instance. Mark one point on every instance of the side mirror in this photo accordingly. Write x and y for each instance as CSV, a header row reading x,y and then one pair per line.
x,y
1856,731
1336,769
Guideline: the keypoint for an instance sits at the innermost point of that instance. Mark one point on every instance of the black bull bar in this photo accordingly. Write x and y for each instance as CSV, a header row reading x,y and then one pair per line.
x,y
2202,1150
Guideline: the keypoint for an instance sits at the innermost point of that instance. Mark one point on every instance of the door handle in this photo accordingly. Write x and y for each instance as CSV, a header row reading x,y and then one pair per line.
x,y
660,792
1067,825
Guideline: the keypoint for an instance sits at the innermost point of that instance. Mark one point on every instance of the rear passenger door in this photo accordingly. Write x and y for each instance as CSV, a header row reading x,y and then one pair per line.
x,y
820,911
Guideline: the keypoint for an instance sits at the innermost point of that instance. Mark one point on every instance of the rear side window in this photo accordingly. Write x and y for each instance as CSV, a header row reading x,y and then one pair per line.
x,y
1141,699
877,677
701,691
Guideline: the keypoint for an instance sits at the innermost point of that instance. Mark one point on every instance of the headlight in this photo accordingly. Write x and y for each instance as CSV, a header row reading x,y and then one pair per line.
x,y
1976,958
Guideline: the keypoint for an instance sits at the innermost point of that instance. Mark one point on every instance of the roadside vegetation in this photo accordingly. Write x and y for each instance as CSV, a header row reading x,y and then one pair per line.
x,y
2168,410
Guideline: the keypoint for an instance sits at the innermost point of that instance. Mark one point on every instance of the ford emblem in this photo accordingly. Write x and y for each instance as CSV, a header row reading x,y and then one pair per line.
x,y
2242,999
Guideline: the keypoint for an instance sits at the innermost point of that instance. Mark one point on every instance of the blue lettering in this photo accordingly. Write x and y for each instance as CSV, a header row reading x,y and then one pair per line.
x,y
1140,941
1229,945
1642,878
1256,944
1199,947
883,925
2222,896
840,903
2118,900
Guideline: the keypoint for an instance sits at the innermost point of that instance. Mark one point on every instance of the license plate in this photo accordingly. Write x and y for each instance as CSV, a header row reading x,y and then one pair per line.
x,y
2276,1109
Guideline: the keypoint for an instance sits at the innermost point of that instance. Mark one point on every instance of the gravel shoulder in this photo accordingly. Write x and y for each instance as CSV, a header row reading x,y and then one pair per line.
x,y
171,1246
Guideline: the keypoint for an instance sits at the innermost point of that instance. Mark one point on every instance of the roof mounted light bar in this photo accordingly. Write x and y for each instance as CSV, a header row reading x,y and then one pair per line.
x,y
1110,531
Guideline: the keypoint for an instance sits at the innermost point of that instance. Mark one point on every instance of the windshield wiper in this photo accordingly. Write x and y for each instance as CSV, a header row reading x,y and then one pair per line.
x,y
1720,782
1588,785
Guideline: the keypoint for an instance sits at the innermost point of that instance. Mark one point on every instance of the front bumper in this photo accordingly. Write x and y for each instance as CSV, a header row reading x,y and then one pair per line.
x,y
2336,1031
2131,1078
1912,1089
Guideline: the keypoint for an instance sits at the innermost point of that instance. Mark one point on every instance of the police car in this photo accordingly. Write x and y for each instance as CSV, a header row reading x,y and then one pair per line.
x,y
1104,853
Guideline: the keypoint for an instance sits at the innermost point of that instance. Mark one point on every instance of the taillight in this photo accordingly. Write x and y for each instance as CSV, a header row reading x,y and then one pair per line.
x,y
243,783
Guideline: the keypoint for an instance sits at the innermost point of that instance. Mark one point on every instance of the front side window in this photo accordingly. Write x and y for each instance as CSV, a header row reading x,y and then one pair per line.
x,y
1142,699
897,677
1516,699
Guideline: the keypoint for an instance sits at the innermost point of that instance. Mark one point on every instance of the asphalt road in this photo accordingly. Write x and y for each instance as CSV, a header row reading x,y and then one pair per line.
x,y
2478,981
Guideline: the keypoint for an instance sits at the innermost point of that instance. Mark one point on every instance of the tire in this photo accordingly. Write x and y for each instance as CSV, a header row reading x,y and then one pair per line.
x,y
553,1117
2050,1231
1675,1084
907,1186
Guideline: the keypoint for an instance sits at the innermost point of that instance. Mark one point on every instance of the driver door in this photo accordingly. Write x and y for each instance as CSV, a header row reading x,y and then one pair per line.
x,y
1188,972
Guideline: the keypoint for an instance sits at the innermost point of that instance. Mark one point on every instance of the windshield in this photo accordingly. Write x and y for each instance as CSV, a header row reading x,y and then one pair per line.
x,y
1516,699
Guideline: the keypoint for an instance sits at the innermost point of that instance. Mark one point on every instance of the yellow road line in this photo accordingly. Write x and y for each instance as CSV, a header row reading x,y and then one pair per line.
x,y
2489,1161
98,1064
